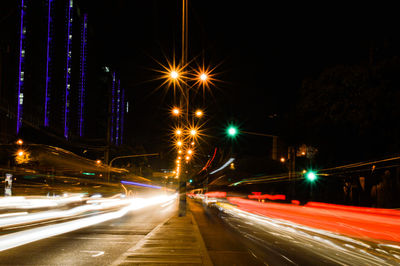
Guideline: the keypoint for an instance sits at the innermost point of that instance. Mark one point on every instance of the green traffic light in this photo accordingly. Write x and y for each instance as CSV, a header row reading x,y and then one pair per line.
x,y
190,181
232,131
311,176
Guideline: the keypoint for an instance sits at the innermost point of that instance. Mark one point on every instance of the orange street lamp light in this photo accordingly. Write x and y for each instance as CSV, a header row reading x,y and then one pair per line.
x,y
98,162
193,132
174,74
178,132
20,142
203,77
176,111
199,113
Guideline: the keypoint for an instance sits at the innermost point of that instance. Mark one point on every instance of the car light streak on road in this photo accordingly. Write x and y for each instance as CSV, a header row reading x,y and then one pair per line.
x,y
27,236
92,205
12,214
355,224
333,247
37,202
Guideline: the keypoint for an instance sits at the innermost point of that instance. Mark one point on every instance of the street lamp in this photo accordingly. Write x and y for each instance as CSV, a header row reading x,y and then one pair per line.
x,y
127,156
193,132
178,132
174,74
199,113
176,111
203,77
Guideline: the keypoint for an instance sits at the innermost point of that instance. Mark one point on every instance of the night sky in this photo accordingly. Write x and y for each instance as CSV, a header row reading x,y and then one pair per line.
x,y
262,54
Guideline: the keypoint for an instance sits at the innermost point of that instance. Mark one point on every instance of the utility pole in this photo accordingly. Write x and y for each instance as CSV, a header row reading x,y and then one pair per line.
x,y
184,97
292,168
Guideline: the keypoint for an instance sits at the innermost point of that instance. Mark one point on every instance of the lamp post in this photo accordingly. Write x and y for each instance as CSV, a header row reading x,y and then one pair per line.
x,y
232,132
126,156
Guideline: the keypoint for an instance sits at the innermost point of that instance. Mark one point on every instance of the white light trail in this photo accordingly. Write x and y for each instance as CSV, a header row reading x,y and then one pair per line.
x,y
27,236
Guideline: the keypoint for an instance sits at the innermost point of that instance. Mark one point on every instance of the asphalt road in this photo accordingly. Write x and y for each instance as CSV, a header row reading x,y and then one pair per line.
x,y
234,238
224,245
231,238
101,244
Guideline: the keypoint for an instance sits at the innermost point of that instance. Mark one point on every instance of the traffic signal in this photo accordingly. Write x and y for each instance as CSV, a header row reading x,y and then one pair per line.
x,y
232,131
311,176
190,180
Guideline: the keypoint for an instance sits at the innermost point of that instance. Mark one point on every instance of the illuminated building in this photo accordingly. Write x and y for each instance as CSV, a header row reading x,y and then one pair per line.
x,y
82,86
21,67
118,113
68,69
113,107
48,61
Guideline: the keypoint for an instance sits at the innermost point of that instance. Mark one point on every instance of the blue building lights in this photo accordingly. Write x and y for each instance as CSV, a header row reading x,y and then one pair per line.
x,y
82,74
68,68
48,61
112,107
118,113
21,64
122,115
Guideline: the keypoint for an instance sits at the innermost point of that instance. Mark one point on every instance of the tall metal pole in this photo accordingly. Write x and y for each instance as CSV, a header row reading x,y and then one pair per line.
x,y
185,96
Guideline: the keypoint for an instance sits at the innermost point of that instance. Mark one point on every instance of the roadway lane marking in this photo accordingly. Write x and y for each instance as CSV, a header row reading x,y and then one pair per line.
x,y
98,253
91,238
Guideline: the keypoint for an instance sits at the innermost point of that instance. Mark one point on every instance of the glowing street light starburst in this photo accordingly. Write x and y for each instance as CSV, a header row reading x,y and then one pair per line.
x,y
172,74
204,78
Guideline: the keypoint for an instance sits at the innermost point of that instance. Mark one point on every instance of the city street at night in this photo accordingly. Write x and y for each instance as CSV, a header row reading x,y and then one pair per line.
x,y
186,132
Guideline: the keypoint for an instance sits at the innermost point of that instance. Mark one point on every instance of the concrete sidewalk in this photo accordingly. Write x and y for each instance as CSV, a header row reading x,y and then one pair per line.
x,y
176,241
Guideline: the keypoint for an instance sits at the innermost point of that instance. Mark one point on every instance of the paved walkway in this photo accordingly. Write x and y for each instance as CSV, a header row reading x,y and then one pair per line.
x,y
177,241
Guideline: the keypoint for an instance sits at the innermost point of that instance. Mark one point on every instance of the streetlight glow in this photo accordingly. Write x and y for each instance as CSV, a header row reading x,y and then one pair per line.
x,y
20,142
199,113
178,132
189,152
174,74
193,132
203,76
176,111
179,143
